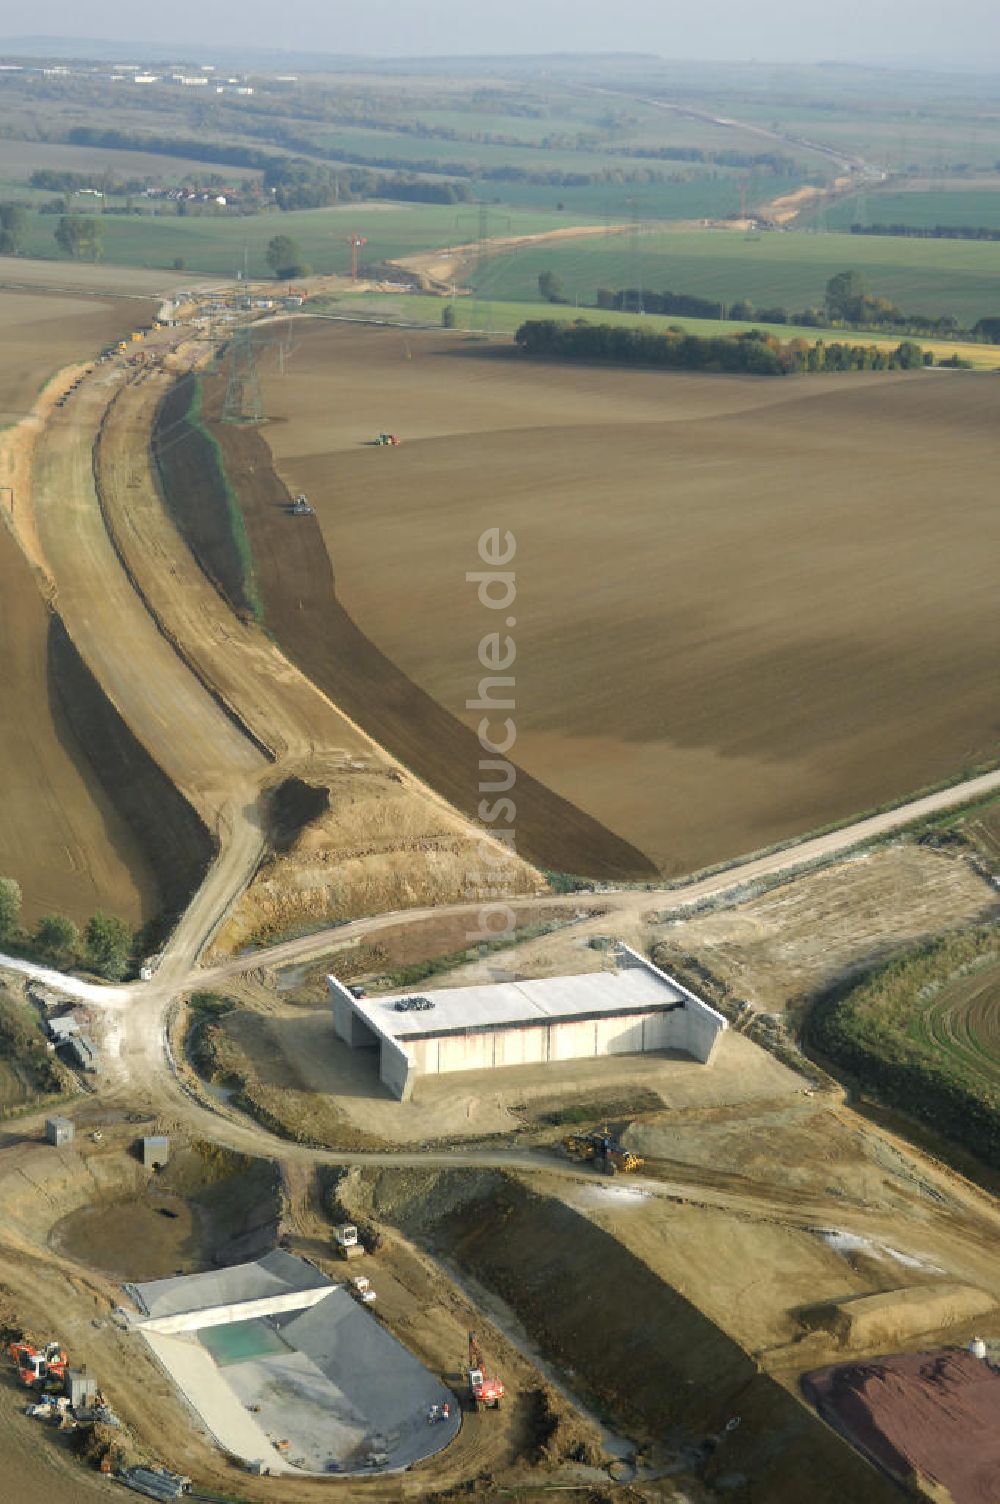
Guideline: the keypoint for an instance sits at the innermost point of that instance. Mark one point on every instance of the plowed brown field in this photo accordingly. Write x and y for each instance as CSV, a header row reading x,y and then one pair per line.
x,y
43,331
745,608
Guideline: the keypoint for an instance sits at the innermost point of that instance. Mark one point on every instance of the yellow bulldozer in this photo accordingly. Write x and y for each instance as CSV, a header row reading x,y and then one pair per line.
x,y
600,1150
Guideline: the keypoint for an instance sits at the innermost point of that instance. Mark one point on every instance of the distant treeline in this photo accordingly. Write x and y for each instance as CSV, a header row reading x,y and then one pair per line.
x,y
930,232
752,352
770,161
687,305
860,311
452,181
52,181
297,184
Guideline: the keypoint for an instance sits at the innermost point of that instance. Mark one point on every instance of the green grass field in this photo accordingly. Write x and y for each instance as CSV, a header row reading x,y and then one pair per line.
x,y
946,206
216,243
790,269
922,1032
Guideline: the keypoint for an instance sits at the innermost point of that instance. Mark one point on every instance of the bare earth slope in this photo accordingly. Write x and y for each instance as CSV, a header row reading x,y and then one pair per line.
x,y
60,837
733,623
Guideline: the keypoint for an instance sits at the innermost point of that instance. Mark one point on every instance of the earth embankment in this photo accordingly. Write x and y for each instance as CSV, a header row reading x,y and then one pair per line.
x,y
643,1353
63,834
176,842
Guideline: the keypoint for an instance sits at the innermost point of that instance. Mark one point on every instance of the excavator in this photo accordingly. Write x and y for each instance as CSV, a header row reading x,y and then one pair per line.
x,y
35,1367
600,1150
486,1389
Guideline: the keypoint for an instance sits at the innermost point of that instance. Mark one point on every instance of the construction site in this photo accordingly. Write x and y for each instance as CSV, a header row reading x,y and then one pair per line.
x,y
325,1189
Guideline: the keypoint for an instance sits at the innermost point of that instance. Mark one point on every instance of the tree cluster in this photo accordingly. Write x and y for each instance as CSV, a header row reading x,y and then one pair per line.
x,y
13,226
752,352
80,237
105,946
284,258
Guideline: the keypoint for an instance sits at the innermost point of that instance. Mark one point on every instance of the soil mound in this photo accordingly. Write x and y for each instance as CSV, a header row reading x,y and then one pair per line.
x,y
894,1315
292,806
933,1415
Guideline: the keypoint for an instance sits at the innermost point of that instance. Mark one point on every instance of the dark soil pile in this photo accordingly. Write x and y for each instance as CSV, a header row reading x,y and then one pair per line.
x,y
931,1415
292,806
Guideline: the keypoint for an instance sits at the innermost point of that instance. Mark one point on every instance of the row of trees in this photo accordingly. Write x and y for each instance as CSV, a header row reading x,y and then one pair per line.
x,y
105,945
846,302
753,352
930,232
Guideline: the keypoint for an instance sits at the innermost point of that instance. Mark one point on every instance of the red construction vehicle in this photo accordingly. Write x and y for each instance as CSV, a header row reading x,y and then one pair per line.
x,y
486,1389
35,1366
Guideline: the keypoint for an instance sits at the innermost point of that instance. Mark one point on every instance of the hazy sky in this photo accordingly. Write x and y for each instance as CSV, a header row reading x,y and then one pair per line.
x,y
877,31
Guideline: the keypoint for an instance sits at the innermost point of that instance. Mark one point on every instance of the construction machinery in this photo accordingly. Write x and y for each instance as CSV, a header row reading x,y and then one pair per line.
x,y
36,1366
486,1389
601,1150
345,1238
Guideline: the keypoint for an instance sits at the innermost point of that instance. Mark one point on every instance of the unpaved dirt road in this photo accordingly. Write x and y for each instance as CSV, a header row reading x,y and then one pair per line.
x,y
740,875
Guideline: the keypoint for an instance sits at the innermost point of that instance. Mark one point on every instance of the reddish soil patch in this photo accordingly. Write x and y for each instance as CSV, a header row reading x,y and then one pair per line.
x,y
935,1414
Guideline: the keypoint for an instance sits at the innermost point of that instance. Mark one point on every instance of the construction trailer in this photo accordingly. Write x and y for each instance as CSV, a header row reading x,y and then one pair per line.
x,y
59,1131
80,1387
631,1009
155,1151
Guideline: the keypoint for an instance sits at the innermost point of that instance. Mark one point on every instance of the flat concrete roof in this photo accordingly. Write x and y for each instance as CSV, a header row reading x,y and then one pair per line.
x,y
502,1005
277,1273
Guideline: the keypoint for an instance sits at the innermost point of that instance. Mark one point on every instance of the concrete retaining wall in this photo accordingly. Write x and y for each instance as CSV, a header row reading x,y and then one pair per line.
x,y
242,1310
396,1069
